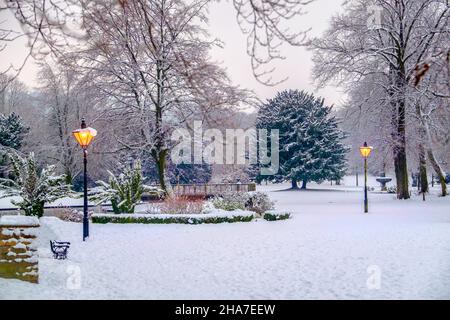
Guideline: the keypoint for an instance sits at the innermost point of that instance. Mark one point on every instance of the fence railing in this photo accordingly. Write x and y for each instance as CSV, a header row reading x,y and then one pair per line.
x,y
211,189
208,189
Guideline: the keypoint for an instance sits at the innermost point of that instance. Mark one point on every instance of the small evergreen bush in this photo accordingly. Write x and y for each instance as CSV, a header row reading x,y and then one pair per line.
x,y
269,216
123,191
34,187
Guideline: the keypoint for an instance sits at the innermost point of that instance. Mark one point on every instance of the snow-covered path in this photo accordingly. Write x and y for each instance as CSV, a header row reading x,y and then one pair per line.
x,y
329,249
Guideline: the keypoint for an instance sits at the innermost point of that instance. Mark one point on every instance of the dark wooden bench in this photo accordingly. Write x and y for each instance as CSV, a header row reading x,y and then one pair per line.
x,y
59,249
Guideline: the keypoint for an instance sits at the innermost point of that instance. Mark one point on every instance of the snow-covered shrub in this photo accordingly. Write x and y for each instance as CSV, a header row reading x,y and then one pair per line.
x,y
391,189
270,216
230,201
181,205
208,207
259,202
123,191
33,187
73,215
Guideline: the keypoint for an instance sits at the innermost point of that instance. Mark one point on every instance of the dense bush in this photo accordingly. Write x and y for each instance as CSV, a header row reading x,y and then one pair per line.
x,y
73,215
258,202
269,216
230,201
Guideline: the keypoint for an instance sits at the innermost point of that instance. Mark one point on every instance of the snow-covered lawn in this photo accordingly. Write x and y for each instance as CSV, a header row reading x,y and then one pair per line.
x,y
329,249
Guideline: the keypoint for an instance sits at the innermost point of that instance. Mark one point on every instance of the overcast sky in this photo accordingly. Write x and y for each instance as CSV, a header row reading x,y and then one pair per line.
x,y
297,65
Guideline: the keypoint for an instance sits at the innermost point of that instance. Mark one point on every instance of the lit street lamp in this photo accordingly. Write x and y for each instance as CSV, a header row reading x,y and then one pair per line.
x,y
365,152
84,136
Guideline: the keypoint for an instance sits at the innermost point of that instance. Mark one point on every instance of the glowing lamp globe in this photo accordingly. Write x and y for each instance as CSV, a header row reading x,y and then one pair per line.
x,y
365,150
84,135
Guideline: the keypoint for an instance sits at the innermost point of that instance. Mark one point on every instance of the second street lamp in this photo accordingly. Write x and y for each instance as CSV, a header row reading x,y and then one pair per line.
x,y
365,152
84,137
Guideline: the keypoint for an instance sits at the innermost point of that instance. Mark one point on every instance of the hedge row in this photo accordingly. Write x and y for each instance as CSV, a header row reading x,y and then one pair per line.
x,y
276,216
171,219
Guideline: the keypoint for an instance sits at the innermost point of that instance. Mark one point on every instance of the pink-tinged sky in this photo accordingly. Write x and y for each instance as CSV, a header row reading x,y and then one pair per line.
x,y
297,65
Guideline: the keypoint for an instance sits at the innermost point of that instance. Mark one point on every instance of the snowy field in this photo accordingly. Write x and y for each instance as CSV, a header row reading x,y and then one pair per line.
x,y
328,250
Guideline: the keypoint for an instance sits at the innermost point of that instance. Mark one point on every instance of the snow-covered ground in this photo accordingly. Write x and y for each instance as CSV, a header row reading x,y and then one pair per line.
x,y
329,249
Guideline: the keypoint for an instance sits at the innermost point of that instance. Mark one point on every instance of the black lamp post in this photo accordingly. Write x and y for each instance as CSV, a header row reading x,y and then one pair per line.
x,y
84,136
365,152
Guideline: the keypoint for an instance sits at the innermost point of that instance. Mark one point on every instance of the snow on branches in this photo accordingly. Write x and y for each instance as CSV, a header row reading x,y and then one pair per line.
x,y
33,187
311,147
123,191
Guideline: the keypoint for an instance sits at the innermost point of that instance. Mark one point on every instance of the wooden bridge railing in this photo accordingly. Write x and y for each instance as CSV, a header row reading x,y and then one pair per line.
x,y
211,189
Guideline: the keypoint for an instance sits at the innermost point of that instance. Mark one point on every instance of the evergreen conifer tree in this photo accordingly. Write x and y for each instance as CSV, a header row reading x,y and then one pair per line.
x,y
311,147
12,130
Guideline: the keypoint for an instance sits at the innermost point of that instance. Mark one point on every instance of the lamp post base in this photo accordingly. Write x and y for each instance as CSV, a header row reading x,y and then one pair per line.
x,y
85,229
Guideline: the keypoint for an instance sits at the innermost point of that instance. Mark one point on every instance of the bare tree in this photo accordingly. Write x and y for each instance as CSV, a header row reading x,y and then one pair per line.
x,y
264,23
353,49
51,26
59,96
13,94
151,59
48,26
432,84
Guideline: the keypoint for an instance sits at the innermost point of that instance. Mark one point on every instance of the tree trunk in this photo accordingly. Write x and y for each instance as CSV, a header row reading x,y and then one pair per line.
x,y
161,162
401,174
294,184
160,151
423,179
422,182
437,168
434,163
399,133
304,184
3,166
69,177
